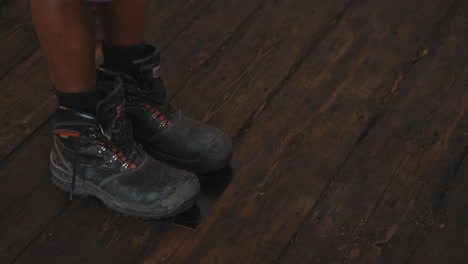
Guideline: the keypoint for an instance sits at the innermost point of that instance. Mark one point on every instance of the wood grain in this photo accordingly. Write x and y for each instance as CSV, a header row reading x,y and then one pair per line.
x,y
247,72
167,19
12,48
28,101
251,66
397,174
165,245
304,134
184,56
349,118
449,227
28,201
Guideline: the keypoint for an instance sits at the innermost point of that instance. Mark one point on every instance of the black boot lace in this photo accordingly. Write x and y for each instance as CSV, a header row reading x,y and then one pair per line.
x,y
153,93
122,145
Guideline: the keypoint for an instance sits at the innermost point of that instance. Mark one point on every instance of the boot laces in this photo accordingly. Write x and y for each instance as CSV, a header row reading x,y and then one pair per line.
x,y
153,93
107,142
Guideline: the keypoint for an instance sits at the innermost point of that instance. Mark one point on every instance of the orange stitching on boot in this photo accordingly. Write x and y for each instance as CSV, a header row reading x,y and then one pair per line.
x,y
68,134
161,116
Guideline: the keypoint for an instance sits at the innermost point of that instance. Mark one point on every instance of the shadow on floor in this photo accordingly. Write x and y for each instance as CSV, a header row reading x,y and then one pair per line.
x,y
212,188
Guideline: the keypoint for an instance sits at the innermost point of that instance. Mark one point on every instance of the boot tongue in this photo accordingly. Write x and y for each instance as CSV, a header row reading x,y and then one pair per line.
x,y
146,72
147,68
110,111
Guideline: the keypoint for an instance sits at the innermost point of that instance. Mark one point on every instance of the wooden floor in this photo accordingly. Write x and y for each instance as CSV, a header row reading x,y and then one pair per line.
x,y
349,118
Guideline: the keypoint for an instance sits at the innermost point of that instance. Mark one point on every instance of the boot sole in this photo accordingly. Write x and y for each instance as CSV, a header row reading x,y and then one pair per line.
x,y
93,191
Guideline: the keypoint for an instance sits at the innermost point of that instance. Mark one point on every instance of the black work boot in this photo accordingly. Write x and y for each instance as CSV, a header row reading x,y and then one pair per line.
x,y
163,131
97,156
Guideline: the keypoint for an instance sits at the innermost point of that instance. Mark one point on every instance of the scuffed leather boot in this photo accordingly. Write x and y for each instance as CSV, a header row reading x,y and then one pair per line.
x,y
97,156
163,131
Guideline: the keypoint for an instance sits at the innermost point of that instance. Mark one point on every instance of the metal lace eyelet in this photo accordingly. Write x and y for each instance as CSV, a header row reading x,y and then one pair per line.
x,y
101,150
113,158
162,124
124,166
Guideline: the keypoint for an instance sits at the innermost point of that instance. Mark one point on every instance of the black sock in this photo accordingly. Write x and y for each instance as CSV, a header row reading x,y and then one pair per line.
x,y
80,101
120,58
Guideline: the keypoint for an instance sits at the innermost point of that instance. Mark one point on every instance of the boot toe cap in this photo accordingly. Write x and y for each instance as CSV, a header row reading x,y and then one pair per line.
x,y
217,155
154,191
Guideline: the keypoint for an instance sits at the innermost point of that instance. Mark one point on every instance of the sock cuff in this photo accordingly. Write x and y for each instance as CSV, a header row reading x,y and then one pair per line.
x,y
86,101
120,58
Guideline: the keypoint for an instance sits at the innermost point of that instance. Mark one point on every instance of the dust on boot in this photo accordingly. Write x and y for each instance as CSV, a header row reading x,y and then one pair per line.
x,y
97,156
163,131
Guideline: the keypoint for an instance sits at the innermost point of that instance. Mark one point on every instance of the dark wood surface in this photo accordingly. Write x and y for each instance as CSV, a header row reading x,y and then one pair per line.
x,y
349,122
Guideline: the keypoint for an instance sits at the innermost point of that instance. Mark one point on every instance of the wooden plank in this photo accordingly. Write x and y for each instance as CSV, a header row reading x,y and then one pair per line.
x,y
190,50
237,82
168,18
44,249
28,101
298,143
163,246
98,236
449,229
251,58
397,174
439,169
12,14
17,38
27,199
16,47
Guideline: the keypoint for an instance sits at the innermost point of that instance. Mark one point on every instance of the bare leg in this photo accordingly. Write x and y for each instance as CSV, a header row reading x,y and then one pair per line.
x,y
65,31
123,22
